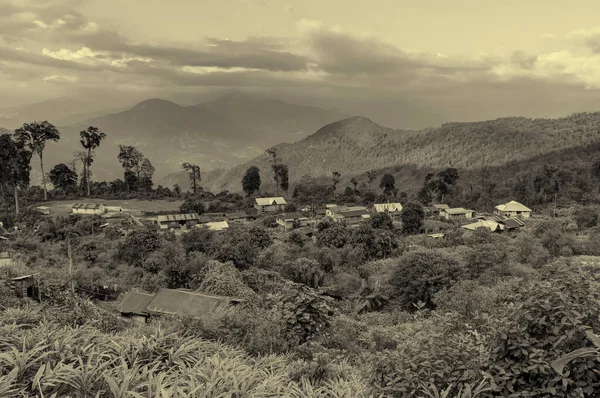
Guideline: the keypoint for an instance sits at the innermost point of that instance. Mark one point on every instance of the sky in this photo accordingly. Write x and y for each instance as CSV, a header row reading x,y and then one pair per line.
x,y
469,60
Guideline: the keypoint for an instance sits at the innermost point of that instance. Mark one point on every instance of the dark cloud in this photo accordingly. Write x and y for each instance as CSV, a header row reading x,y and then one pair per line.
x,y
524,60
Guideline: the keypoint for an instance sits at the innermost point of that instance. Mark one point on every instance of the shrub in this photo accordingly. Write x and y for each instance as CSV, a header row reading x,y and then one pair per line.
x,y
419,275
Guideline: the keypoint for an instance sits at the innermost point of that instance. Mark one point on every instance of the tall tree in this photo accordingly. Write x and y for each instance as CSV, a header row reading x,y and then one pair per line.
x,y
146,174
282,171
275,167
62,176
34,136
413,216
90,139
371,176
336,179
129,157
387,184
251,180
194,173
15,159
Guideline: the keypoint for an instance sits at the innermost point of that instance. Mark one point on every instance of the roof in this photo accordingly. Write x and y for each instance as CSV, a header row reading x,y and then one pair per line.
x,y
43,207
458,210
237,214
354,213
512,206
391,207
491,225
135,303
88,206
203,219
436,235
20,278
217,225
441,206
279,200
305,231
292,216
186,303
178,217
513,223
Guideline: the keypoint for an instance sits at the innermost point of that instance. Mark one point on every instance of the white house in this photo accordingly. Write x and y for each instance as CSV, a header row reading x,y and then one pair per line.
x,y
457,213
89,208
392,209
513,209
270,205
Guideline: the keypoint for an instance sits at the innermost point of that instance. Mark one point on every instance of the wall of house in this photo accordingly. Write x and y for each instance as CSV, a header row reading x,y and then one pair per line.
x,y
524,214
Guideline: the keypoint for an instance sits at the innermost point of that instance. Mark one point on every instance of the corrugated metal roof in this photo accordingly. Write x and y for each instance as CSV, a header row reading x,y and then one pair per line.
x,y
458,210
387,207
217,225
513,223
88,206
491,225
354,213
185,303
441,206
278,200
512,206
135,303
178,217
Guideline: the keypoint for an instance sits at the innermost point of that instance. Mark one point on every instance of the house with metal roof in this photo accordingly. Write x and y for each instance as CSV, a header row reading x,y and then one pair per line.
x,y
513,209
178,220
134,306
457,213
45,210
270,205
289,221
89,208
436,209
186,303
349,215
491,225
392,209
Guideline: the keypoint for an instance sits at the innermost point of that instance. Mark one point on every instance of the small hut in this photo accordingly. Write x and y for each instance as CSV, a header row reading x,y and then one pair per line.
x,y
25,286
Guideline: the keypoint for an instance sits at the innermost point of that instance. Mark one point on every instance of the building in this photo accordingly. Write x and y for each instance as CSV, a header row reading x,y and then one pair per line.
x,y
392,209
457,213
508,223
89,208
178,221
436,209
114,209
186,303
25,286
43,210
134,306
349,215
5,259
513,209
270,205
488,224
216,226
291,221
239,217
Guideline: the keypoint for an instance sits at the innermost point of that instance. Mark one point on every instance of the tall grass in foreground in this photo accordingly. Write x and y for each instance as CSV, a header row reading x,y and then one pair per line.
x,y
45,360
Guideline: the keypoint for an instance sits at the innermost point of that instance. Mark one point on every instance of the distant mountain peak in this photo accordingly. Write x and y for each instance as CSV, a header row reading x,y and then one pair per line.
x,y
153,103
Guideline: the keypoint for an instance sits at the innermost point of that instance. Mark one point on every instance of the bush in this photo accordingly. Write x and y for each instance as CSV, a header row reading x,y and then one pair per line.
x,y
419,275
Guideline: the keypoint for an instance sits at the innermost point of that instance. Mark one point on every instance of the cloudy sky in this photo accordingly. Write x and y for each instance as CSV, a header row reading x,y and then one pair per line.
x,y
471,59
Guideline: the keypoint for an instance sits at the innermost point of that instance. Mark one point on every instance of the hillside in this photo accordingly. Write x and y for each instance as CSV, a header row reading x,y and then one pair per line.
x,y
356,145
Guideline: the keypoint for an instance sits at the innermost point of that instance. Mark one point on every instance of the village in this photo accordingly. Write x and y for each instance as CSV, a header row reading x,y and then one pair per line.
x,y
269,212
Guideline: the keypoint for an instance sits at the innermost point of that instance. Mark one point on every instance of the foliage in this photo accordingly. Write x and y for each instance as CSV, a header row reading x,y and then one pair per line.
x,y
137,246
413,217
192,205
251,181
421,274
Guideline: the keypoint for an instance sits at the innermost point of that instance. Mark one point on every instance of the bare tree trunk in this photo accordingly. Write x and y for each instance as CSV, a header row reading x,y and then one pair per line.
x,y
70,264
43,178
87,171
16,200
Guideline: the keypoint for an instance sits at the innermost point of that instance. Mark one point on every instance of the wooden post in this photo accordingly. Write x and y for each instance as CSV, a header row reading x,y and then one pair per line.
x,y
70,264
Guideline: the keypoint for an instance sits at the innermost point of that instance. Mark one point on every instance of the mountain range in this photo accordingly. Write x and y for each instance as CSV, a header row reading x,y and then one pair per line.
x,y
215,134
356,145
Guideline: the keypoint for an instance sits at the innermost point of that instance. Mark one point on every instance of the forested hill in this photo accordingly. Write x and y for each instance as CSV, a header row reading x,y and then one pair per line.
x,y
356,145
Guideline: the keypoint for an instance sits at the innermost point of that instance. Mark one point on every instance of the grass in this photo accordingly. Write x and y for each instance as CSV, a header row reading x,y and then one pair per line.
x,y
63,207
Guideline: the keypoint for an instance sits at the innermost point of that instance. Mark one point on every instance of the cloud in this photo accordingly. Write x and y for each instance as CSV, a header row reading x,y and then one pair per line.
x,y
60,79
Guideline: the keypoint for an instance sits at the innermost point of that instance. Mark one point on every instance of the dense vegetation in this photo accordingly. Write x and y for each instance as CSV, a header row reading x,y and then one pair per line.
x,y
367,311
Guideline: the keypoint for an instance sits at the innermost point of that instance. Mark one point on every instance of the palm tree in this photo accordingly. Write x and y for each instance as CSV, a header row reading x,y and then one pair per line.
x,y
90,140
34,136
